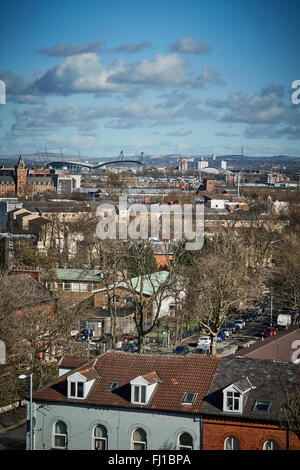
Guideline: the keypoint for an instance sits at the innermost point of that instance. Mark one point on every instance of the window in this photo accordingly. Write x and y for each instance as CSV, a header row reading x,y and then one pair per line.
x,y
233,401
270,445
113,386
261,405
84,287
76,390
139,394
67,286
60,435
75,287
139,441
185,441
99,438
188,398
231,443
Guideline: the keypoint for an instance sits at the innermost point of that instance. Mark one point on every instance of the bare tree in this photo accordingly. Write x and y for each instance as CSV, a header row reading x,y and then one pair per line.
x,y
150,289
219,282
33,324
285,280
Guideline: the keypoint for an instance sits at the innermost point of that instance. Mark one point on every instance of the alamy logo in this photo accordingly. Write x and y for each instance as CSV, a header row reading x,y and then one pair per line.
x,y
2,92
296,93
137,222
296,354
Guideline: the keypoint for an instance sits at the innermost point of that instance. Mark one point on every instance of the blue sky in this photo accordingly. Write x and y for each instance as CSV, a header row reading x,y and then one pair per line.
x,y
159,77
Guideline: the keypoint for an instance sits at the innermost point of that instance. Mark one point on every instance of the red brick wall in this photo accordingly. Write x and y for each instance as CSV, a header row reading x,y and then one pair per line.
x,y
209,185
251,436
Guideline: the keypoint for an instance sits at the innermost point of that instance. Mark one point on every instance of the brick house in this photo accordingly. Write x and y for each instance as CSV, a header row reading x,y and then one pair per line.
x,y
244,407
76,284
94,310
124,401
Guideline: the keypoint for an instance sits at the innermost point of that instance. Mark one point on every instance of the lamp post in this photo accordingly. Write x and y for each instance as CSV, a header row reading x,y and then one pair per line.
x,y
22,377
271,312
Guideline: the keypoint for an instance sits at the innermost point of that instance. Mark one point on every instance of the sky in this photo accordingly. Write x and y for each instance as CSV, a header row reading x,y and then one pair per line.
x,y
189,77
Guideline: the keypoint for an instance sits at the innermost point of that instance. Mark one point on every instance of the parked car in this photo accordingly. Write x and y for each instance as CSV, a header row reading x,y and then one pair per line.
x,y
204,349
249,317
130,347
181,350
232,327
83,335
221,336
227,332
240,323
271,331
203,340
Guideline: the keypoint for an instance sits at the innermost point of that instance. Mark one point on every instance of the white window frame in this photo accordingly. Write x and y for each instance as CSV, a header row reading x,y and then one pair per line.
x,y
272,442
84,286
56,434
232,440
102,439
181,446
236,400
76,382
75,287
141,390
133,442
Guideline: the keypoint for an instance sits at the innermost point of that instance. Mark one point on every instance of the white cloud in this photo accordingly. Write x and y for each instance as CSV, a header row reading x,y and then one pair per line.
x,y
79,74
164,70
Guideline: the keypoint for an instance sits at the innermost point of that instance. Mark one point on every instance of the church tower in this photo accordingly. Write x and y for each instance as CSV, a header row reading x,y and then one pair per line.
x,y
21,177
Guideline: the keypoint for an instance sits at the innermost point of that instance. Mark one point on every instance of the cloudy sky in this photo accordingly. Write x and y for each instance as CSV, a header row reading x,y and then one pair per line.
x,y
159,76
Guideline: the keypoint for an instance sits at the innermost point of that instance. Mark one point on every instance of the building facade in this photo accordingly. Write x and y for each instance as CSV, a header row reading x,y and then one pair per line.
x,y
124,401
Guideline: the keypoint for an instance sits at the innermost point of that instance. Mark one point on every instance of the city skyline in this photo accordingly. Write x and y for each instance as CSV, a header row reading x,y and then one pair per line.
x,y
154,77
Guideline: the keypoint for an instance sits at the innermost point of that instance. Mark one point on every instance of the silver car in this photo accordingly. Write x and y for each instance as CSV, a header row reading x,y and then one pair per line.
x,y
240,323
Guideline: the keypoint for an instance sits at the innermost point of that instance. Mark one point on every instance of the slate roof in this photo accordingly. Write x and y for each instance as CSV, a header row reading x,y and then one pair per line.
x,y
278,347
269,380
148,284
177,374
72,362
87,275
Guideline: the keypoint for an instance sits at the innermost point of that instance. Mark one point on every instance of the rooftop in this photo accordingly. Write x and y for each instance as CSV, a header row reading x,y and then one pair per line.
x,y
177,377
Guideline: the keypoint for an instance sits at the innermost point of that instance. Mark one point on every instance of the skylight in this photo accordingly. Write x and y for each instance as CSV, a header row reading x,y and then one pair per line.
x,y
188,398
113,386
261,405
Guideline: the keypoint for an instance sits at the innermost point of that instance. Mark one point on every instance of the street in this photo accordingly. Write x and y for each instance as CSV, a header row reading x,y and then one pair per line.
x,y
14,438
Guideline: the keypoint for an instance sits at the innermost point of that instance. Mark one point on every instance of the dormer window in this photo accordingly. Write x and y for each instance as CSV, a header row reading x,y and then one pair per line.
x,y
234,395
79,384
232,401
143,387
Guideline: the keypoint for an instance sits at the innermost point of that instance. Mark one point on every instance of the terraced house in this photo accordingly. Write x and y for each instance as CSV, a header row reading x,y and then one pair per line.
x,y
124,401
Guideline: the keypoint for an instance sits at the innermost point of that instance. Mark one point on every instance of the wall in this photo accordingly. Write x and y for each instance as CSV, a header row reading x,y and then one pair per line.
x,y
162,428
250,435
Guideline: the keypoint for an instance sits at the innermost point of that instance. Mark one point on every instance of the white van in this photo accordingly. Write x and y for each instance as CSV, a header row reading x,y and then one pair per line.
x,y
284,319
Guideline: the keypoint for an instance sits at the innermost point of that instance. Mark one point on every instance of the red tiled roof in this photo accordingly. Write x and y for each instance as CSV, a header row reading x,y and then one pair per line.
x,y
178,375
